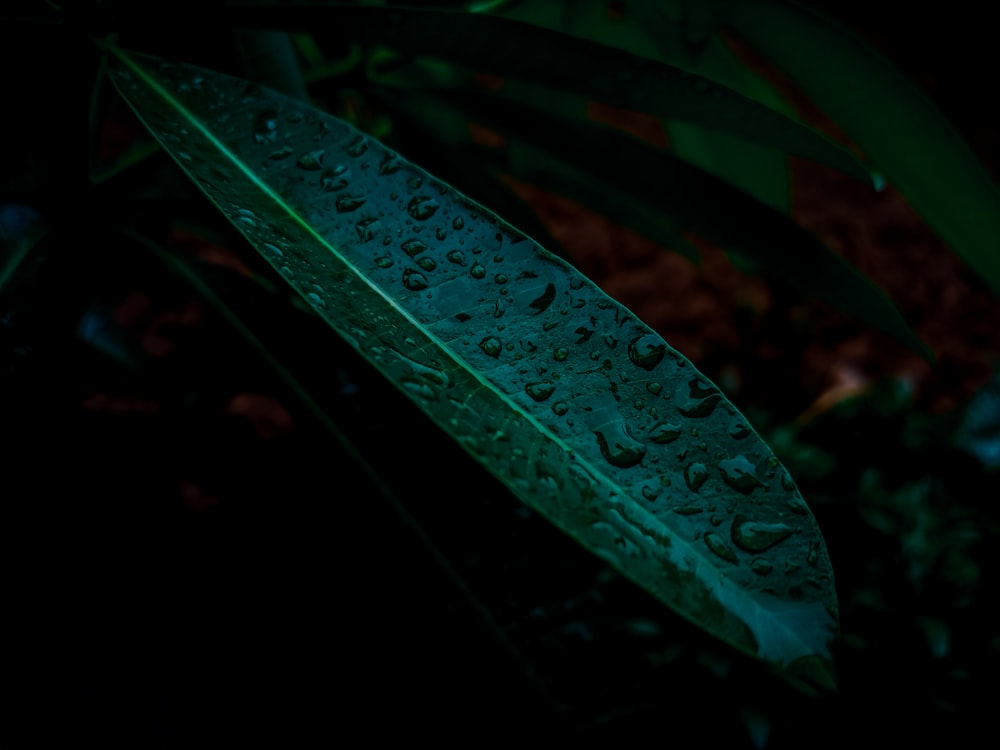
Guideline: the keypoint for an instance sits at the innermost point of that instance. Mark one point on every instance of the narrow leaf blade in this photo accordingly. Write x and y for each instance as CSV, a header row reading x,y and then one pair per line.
x,y
905,135
505,47
578,407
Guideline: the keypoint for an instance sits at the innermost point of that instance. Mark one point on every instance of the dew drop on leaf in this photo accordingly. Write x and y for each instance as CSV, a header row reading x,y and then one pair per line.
x,y
647,351
491,345
347,203
414,280
753,536
265,126
427,264
383,261
477,271
695,475
540,391
719,547
740,474
618,447
761,567
422,207
559,408
664,432
335,178
413,247
560,354
357,147
390,164
456,257
312,160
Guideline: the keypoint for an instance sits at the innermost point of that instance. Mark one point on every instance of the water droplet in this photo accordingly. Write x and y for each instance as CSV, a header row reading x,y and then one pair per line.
x,y
280,153
265,126
688,510
422,208
491,345
499,307
413,247
560,354
738,429
500,278
695,475
414,280
664,432
618,447
754,536
390,164
477,271
540,391
787,483
798,505
654,388
719,547
347,203
458,223
273,249
366,229
761,567
315,299
541,304
456,257
559,408
740,474
335,178
421,390
813,557
427,264
383,261
696,399
647,351
312,160
650,492
357,147
287,272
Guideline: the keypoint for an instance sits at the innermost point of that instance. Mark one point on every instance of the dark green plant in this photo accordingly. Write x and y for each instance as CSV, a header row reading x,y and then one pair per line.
x,y
578,407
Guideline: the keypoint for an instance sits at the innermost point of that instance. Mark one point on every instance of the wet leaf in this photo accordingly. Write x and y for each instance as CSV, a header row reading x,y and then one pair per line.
x,y
531,368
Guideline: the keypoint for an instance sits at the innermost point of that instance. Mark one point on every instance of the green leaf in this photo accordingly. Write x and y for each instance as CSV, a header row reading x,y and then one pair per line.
x,y
523,51
577,406
660,31
905,135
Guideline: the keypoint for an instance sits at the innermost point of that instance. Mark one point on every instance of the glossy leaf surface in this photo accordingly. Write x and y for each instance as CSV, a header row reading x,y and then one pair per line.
x,y
579,408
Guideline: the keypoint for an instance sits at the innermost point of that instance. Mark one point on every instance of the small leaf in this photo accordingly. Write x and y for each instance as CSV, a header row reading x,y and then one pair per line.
x,y
535,372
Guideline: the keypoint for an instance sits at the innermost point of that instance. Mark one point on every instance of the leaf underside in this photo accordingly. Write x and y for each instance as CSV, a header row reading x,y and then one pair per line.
x,y
584,412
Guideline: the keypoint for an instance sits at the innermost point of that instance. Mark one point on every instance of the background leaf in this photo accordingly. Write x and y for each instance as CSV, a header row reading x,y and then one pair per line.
x,y
905,135
579,408
496,45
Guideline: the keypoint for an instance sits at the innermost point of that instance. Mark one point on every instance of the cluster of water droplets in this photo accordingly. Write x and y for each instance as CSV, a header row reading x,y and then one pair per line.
x,y
551,384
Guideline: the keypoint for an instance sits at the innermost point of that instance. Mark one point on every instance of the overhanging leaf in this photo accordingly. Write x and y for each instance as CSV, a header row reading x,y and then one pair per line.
x,y
578,407
505,47
905,135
